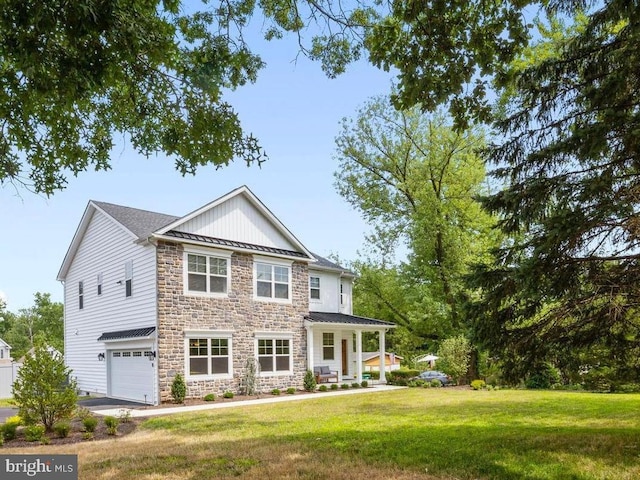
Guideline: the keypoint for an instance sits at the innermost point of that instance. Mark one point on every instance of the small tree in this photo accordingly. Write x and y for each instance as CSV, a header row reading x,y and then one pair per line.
x,y
455,353
178,389
309,381
43,390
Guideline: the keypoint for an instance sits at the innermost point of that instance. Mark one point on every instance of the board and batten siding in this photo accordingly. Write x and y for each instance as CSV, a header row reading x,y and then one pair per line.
x,y
104,249
330,292
238,219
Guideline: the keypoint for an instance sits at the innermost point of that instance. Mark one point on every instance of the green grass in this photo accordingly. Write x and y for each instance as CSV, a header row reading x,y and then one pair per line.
x,y
463,434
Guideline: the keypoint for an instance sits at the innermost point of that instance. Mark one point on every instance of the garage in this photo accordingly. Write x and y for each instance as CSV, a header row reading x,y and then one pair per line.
x,y
131,365
131,374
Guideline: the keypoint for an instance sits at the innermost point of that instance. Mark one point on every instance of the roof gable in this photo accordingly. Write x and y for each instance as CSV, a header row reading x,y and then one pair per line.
x,y
240,217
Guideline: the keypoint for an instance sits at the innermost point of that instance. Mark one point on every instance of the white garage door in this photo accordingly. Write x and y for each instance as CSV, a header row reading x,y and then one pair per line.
x,y
131,375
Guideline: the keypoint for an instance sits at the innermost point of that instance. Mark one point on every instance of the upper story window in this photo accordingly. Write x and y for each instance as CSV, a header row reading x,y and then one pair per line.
x,y
272,281
341,293
80,295
99,281
207,273
128,278
314,288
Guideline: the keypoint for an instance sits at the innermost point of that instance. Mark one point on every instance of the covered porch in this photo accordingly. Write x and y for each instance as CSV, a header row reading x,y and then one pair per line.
x,y
335,340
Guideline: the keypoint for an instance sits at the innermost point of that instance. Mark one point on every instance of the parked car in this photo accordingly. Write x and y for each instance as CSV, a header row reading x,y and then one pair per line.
x,y
434,374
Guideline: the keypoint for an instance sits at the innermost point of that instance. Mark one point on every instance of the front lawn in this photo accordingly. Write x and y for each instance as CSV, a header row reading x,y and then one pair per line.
x,y
405,434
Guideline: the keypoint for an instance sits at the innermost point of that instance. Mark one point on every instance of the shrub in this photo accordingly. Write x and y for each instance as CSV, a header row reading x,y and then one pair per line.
x,y
364,384
43,390
323,388
275,391
83,412
334,386
416,383
401,377
112,424
436,383
178,389
124,414
478,384
227,394
33,433
291,391
209,397
344,386
455,355
10,427
1,437
62,428
355,385
309,381
90,423
87,436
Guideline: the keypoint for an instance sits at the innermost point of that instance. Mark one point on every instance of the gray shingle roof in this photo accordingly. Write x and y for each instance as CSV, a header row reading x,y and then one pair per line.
x,y
127,334
325,263
323,317
142,223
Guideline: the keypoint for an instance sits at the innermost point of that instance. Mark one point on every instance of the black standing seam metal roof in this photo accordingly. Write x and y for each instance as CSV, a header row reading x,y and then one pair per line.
x,y
233,243
323,317
127,334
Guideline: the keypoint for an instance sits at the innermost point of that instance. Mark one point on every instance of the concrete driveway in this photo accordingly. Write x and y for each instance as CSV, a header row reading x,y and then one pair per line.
x,y
94,403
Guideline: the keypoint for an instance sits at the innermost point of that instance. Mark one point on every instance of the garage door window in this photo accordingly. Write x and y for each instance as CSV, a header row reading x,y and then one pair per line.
x,y
209,356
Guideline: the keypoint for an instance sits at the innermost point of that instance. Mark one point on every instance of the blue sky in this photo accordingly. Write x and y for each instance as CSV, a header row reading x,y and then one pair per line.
x,y
295,112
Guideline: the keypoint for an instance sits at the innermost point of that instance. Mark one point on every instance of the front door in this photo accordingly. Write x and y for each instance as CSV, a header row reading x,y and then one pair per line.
x,y
345,358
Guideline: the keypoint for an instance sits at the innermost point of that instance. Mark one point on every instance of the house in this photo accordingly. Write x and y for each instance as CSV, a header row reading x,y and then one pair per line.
x,y
371,361
5,353
149,296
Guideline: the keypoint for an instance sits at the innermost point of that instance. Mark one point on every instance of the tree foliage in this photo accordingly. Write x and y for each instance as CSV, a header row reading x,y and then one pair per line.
x,y
568,280
43,389
414,180
455,356
44,322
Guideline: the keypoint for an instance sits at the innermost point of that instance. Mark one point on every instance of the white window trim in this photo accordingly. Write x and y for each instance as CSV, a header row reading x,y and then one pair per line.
x,y
189,334
275,336
319,299
208,252
100,285
273,262
333,346
128,277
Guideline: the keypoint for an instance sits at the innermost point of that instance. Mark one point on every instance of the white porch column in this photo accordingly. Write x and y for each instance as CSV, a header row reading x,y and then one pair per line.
x,y
310,347
359,356
383,377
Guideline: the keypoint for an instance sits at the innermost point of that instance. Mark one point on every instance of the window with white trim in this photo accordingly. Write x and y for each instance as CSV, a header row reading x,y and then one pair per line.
x,y
128,278
341,293
328,346
80,295
275,355
272,281
314,288
209,356
206,273
99,282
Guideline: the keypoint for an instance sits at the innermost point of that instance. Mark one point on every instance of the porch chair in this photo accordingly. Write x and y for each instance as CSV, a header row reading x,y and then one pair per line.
x,y
324,374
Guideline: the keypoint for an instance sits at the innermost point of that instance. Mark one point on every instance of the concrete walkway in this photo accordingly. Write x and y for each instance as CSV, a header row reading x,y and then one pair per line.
x,y
152,411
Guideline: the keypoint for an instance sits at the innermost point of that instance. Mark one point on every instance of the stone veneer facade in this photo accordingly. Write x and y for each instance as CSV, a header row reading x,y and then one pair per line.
x,y
238,312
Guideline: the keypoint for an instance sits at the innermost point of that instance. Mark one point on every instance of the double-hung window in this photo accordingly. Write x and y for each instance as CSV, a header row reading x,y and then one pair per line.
x,y
272,280
207,273
80,295
209,354
314,288
328,346
275,354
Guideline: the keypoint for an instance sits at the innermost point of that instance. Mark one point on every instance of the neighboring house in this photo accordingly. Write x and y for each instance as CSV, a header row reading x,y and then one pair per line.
x,y
5,353
371,361
149,295
54,352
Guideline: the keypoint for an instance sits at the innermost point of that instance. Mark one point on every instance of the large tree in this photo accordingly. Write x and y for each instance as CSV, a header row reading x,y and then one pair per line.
x,y
569,155
75,74
414,180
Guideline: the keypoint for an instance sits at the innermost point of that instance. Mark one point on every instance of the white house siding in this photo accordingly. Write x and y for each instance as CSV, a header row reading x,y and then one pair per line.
x,y
237,219
104,249
330,292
